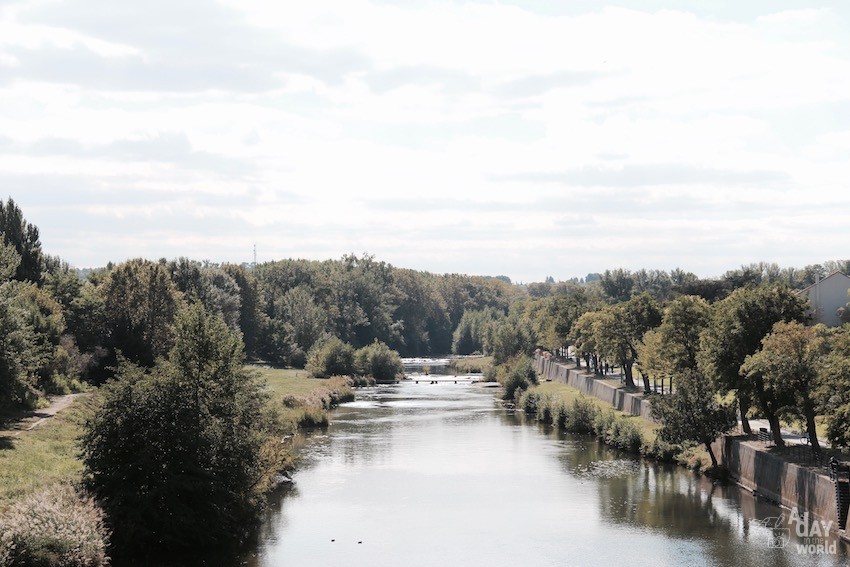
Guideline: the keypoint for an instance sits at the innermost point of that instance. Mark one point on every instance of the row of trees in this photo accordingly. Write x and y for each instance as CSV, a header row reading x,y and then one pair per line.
x,y
752,345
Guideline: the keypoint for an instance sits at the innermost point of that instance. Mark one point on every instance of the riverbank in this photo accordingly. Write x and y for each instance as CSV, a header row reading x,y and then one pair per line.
x,y
40,465
629,425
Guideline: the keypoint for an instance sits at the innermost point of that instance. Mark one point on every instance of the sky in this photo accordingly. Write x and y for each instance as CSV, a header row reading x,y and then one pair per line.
x,y
525,138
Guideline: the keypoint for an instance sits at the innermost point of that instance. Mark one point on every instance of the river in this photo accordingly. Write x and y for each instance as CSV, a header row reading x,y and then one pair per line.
x,y
443,475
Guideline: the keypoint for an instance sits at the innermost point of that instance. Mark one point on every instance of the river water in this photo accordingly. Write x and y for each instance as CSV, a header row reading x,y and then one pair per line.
x,y
443,475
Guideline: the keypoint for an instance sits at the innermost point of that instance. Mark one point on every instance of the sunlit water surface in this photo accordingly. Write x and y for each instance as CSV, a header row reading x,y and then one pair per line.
x,y
442,475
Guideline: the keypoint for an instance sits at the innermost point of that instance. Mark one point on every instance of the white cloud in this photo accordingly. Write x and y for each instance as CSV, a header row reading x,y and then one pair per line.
x,y
615,136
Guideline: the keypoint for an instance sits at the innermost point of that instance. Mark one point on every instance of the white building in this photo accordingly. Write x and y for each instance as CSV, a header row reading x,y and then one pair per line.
x,y
826,297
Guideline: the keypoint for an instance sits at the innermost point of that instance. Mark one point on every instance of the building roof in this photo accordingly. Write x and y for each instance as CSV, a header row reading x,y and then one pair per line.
x,y
835,273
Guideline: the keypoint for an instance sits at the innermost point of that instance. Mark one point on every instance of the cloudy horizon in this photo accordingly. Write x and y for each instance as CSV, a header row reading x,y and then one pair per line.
x,y
519,138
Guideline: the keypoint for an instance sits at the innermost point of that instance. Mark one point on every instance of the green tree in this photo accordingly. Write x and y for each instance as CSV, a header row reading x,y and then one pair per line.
x,y
330,356
692,413
738,324
308,321
140,303
620,328
180,455
618,284
24,237
788,364
249,306
834,389
378,361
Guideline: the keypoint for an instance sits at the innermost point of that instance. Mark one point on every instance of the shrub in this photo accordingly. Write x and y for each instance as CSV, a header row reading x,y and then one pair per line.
x,y
625,435
379,361
182,454
581,416
54,527
560,415
330,357
516,375
602,423
544,409
528,401
661,450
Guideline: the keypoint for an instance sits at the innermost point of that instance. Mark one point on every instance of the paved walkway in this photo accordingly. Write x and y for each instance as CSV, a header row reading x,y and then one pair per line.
x,y
790,436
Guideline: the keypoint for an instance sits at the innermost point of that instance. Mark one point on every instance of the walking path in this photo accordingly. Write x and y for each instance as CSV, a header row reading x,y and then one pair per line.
x,y
28,421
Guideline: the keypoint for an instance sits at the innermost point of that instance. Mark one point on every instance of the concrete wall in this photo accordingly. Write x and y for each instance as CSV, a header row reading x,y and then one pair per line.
x,y
791,485
567,373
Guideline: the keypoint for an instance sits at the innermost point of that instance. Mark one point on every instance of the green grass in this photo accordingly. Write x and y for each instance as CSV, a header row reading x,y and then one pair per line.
x,y
48,454
41,457
567,394
284,382
471,364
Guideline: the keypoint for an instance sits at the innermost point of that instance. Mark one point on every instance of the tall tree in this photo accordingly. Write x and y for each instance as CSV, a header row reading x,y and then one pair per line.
x,y
788,364
618,284
140,303
181,454
737,326
621,327
23,236
692,413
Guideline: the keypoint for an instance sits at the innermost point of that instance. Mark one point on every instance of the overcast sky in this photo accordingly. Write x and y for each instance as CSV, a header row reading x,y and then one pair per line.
x,y
526,138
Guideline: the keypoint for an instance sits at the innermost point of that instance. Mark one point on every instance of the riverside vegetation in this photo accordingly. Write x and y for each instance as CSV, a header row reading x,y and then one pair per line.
x,y
161,346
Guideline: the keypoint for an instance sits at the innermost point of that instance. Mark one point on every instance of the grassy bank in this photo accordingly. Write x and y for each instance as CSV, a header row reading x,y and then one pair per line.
x,y
41,457
568,409
471,364
47,455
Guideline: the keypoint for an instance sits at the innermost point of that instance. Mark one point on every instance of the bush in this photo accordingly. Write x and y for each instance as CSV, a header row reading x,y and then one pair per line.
x,y
581,416
54,527
528,401
603,422
181,455
544,409
560,415
379,361
624,435
515,376
330,357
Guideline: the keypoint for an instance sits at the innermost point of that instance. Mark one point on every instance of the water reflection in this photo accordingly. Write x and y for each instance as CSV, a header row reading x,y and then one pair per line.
x,y
443,475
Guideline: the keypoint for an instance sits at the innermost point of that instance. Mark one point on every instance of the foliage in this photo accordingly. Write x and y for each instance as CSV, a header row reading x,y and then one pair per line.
x,y
513,336
209,284
24,238
55,527
249,305
330,356
515,376
833,391
789,363
378,361
735,330
140,303
692,413
618,330
474,332
180,455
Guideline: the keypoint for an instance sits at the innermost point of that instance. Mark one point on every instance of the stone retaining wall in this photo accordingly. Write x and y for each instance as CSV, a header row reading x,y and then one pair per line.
x,y
788,484
566,373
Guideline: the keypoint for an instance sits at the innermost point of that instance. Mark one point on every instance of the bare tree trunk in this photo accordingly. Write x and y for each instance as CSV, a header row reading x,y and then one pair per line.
x,y
627,372
711,454
776,430
811,429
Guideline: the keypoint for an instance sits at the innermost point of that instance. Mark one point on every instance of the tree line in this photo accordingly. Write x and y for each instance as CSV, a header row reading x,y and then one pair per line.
x,y
742,338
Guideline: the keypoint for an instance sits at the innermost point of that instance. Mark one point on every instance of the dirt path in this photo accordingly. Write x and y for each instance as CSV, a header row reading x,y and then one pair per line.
x,y
28,421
